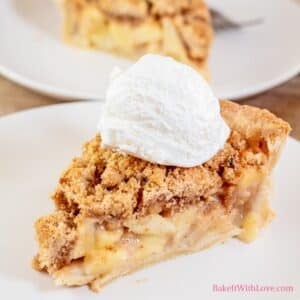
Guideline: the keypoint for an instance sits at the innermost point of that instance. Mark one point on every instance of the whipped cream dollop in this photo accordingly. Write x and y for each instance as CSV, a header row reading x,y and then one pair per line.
x,y
164,112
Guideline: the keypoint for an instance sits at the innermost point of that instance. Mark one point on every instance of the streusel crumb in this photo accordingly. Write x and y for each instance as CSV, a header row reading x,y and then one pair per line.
x,y
112,185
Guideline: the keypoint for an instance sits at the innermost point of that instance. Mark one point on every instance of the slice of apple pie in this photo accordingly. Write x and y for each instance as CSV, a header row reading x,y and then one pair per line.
x,y
131,28
116,213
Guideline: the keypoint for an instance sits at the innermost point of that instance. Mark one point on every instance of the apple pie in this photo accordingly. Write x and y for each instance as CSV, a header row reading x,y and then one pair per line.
x,y
131,28
116,213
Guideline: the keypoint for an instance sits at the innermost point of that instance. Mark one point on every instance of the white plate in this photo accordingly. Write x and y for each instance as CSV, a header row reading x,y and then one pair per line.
x,y
36,145
243,62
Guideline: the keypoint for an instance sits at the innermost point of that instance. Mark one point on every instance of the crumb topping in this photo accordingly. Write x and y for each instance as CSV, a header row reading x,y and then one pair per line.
x,y
111,185
56,236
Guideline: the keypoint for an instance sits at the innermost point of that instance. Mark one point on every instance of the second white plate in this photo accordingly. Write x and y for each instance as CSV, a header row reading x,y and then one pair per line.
x,y
36,145
243,62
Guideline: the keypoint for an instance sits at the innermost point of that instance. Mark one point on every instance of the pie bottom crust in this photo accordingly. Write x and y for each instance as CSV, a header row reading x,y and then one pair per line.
x,y
113,254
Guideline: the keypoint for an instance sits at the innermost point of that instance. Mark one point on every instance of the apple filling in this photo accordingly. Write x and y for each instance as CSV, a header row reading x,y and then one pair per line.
x,y
101,255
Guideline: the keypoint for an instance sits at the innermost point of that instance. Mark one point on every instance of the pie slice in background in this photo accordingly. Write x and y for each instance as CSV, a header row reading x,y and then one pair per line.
x,y
131,28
